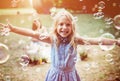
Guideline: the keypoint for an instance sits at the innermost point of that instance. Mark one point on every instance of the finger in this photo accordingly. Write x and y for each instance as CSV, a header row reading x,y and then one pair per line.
x,y
8,22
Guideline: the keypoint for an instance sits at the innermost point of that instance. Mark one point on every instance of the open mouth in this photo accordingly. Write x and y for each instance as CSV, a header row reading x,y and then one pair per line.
x,y
64,32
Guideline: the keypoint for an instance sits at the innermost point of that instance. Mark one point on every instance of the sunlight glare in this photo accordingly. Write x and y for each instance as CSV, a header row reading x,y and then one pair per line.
x,y
30,2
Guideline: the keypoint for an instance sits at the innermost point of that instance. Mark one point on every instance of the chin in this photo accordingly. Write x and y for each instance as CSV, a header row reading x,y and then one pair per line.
x,y
64,36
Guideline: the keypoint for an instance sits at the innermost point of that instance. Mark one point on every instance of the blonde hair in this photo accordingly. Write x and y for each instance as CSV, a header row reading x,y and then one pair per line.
x,y
69,16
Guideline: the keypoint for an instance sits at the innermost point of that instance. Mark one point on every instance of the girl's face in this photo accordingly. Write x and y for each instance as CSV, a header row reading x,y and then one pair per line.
x,y
64,27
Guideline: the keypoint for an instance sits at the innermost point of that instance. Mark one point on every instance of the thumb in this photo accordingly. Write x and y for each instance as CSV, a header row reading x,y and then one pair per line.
x,y
8,22
9,25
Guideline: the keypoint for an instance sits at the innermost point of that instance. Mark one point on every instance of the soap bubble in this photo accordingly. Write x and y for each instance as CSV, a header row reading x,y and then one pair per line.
x,y
4,56
108,21
98,15
109,57
24,61
106,47
116,20
101,5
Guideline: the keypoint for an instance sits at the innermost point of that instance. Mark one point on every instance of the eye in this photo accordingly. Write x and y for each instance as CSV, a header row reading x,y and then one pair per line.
x,y
68,24
61,24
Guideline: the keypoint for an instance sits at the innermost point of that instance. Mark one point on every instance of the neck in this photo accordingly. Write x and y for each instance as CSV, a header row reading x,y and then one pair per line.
x,y
63,39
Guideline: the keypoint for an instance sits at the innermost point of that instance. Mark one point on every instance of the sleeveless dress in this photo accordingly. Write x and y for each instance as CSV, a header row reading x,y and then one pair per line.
x,y
63,61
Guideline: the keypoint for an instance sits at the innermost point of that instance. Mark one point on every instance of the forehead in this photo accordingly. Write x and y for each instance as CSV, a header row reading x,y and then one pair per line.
x,y
64,18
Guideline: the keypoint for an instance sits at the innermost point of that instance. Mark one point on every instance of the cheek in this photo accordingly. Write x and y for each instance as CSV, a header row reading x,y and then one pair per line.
x,y
70,30
58,29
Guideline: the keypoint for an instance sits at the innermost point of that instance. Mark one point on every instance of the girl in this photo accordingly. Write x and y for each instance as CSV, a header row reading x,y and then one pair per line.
x,y
63,46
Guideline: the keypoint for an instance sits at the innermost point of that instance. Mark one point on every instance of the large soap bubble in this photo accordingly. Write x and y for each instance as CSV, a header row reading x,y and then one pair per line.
x,y
4,56
106,47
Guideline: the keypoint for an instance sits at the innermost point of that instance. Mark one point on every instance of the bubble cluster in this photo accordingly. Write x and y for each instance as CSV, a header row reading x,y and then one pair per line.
x,y
99,14
24,61
5,32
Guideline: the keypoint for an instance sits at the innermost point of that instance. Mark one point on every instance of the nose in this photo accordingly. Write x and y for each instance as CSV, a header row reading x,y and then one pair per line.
x,y
64,26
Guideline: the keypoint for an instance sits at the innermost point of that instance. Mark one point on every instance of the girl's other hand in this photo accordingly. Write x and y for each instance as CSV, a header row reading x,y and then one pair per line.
x,y
118,42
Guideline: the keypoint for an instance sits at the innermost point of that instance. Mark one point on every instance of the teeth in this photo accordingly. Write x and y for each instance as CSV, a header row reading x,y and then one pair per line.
x,y
64,31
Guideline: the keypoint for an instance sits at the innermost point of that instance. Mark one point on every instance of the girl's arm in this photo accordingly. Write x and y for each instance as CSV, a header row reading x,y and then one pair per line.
x,y
96,41
27,32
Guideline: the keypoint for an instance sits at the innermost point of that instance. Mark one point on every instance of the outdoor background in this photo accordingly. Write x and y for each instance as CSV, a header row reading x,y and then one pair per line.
x,y
99,65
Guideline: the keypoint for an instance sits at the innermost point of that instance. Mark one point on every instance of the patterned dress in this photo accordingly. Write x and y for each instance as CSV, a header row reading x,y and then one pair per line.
x,y
63,61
